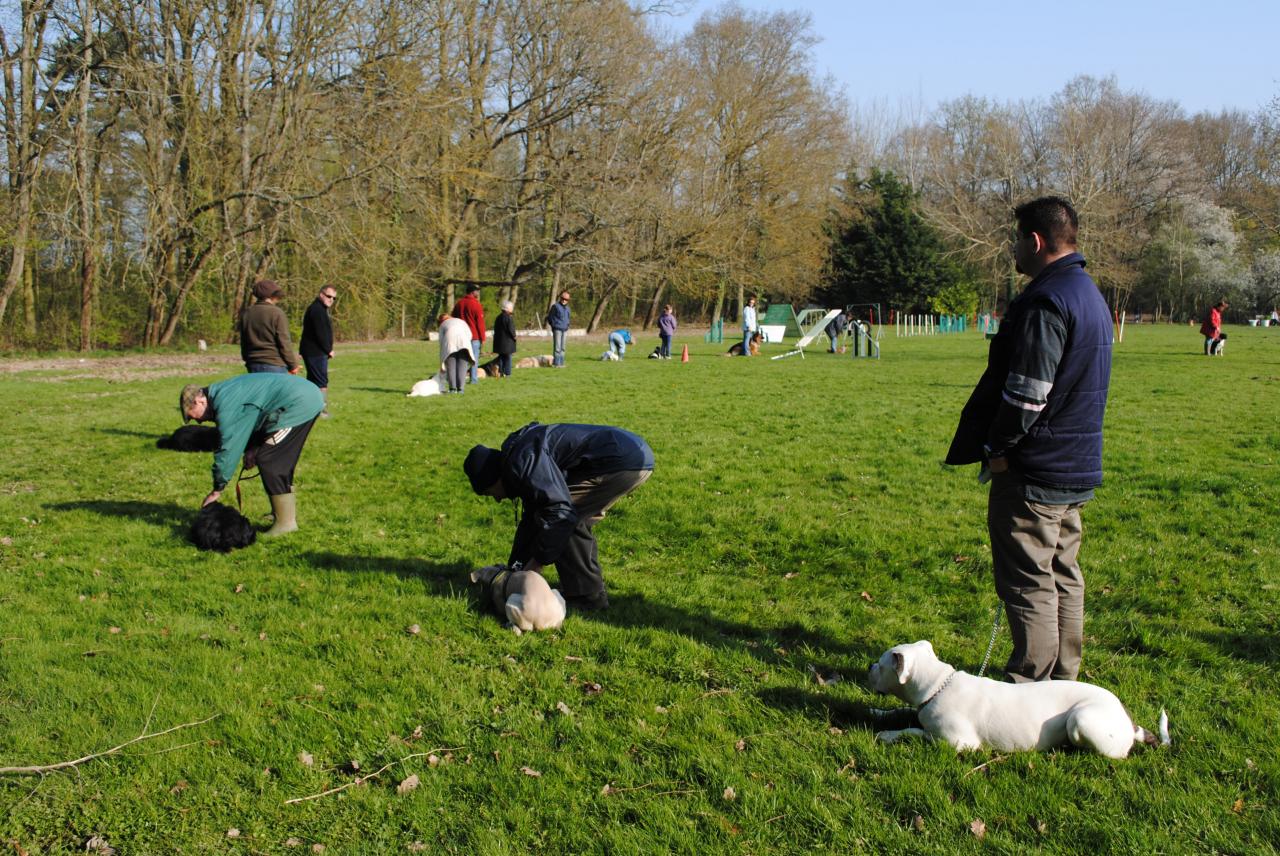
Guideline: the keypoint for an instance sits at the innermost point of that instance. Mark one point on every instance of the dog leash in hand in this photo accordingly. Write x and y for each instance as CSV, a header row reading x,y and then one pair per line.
x,y
986,658
239,497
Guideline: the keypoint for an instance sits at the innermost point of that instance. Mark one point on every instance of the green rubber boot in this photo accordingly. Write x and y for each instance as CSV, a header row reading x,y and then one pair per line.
x,y
285,508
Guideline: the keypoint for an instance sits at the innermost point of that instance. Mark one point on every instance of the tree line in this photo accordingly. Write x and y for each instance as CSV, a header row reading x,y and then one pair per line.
x,y
1176,210
161,155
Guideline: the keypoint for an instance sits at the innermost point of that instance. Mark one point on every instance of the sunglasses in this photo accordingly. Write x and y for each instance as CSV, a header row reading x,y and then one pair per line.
x,y
329,296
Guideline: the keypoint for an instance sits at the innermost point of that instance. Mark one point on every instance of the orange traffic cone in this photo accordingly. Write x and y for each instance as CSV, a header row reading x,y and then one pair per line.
x,y
684,354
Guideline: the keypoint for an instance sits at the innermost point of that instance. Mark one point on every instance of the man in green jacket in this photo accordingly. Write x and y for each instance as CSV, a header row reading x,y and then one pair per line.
x,y
269,413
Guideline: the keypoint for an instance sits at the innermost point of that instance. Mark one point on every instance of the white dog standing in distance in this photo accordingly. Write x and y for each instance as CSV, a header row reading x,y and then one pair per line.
x,y
525,597
974,713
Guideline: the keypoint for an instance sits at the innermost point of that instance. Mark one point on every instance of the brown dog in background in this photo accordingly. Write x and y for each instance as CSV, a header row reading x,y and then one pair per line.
x,y
735,350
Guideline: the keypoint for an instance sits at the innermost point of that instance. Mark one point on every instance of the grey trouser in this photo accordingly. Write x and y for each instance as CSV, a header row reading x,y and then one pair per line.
x,y
455,369
579,564
1034,552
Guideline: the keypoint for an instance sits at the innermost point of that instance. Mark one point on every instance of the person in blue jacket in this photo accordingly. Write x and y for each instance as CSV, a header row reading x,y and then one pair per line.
x,y
618,341
558,321
1034,422
567,477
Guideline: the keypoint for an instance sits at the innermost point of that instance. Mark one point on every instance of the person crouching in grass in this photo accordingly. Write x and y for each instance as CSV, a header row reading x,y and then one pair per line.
x,y
268,414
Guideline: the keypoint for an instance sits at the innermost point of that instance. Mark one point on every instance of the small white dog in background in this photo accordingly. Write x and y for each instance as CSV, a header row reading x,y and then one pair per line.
x,y
974,713
525,597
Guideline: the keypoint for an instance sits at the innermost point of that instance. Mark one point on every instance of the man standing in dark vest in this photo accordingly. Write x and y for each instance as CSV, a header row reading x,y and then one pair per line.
x,y
1035,422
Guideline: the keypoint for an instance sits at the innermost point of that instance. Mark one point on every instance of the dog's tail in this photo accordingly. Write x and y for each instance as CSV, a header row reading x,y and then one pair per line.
x,y
1142,735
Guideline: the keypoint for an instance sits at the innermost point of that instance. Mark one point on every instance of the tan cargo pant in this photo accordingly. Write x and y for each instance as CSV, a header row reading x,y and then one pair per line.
x,y
1034,550
579,564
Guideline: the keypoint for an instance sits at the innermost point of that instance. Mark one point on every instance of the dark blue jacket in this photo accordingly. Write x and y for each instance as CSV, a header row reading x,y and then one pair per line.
x,y
539,462
558,316
1062,444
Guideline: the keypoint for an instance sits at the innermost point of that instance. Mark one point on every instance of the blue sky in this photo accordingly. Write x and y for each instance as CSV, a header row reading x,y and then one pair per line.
x,y
1203,54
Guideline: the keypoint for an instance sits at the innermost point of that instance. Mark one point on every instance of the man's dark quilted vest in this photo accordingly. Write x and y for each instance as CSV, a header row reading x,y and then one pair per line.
x,y
1064,446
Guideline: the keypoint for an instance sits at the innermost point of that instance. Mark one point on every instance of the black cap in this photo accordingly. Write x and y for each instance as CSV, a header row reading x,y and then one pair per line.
x,y
483,467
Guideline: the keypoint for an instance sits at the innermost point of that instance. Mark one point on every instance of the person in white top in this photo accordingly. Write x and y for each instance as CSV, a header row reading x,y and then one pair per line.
x,y
748,325
456,355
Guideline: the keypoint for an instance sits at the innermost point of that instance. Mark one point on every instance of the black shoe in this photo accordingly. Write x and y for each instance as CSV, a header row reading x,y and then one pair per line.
x,y
588,602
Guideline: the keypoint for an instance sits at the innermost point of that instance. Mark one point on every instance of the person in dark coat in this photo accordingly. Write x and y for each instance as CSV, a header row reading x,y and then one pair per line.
x,y
316,345
504,338
1034,421
567,477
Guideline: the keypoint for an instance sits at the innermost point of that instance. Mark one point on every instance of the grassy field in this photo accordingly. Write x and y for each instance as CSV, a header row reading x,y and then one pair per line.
x,y
799,522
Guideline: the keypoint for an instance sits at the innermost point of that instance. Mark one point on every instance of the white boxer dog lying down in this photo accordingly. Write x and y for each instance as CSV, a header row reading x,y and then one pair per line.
x,y
976,713
433,385
525,597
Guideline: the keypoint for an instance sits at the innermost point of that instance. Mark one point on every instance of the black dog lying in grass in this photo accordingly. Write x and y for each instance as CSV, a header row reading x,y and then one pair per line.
x,y
217,527
191,438
220,527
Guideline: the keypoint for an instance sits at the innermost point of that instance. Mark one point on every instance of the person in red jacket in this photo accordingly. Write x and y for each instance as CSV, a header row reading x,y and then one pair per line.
x,y
1211,329
468,308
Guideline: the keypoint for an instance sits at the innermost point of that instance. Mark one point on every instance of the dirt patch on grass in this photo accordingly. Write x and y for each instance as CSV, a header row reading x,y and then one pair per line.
x,y
117,369
125,368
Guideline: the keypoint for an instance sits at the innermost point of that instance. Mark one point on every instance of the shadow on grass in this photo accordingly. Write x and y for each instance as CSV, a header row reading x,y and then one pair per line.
x,y
760,641
381,389
781,647
1254,648
445,579
177,517
838,712
121,432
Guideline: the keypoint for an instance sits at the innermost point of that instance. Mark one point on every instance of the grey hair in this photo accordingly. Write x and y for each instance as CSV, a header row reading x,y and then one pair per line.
x,y
507,306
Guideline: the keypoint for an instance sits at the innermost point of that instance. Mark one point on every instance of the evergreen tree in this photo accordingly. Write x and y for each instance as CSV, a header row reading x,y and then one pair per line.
x,y
883,251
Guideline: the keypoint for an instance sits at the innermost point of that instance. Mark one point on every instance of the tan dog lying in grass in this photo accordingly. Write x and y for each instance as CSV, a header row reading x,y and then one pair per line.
x,y
542,361
524,597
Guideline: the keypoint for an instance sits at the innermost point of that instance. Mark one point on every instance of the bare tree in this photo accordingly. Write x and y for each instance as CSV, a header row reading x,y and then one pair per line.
x,y
27,95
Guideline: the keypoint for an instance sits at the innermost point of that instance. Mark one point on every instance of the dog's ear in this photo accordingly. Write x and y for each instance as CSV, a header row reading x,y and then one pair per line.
x,y
901,666
475,576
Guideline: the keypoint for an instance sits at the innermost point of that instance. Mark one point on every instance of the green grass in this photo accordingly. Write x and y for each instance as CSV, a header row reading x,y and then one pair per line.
x,y
783,491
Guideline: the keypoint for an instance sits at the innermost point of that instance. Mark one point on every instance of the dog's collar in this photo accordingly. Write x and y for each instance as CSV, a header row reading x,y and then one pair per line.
x,y
500,582
939,690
